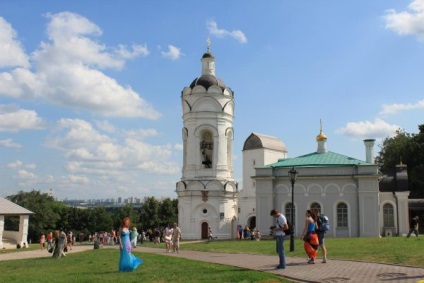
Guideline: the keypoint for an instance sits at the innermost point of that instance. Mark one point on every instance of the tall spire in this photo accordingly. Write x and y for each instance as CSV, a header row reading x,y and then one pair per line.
x,y
208,41
321,139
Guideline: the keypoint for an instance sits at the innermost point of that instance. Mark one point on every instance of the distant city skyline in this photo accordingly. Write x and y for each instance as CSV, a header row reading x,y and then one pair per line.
x,y
90,94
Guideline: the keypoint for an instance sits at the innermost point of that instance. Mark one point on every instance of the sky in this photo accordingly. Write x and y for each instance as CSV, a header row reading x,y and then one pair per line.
x,y
90,91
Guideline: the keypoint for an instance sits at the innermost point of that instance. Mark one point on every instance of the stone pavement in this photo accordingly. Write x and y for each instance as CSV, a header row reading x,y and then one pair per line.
x,y
334,271
298,269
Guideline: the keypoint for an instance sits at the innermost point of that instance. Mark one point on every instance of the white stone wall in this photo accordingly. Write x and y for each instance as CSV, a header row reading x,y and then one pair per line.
x,y
359,193
400,206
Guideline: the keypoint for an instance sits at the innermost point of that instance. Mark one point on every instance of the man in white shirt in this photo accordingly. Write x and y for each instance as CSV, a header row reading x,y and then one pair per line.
x,y
176,235
280,226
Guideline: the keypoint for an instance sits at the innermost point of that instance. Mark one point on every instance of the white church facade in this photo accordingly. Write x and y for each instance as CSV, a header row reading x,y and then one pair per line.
x,y
349,191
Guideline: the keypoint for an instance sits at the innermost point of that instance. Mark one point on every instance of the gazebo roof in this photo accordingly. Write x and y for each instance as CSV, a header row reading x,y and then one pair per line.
x,y
10,208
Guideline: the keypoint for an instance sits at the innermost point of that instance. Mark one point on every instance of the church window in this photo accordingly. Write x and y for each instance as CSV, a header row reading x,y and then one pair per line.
x,y
342,221
206,149
288,213
316,206
388,215
205,211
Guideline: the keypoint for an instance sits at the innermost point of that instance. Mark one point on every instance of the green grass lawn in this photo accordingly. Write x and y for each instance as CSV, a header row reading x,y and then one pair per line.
x,y
393,250
102,266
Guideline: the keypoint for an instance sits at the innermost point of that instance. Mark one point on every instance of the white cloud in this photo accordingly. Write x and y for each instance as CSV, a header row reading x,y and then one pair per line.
x,y
142,133
31,166
137,50
13,119
173,53
106,126
15,164
89,152
81,180
25,175
179,146
11,51
390,109
407,22
9,143
221,33
67,71
366,129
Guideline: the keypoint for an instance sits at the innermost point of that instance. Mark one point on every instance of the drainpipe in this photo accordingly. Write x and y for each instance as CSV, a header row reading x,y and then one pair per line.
x,y
397,212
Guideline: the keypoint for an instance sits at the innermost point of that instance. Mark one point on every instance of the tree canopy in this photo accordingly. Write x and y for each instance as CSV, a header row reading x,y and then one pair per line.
x,y
406,148
50,215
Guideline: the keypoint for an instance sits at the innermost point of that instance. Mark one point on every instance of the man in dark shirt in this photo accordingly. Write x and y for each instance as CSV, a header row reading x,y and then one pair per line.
x,y
413,227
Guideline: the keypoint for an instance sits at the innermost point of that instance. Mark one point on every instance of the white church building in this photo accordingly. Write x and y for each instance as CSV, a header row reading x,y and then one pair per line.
x,y
349,191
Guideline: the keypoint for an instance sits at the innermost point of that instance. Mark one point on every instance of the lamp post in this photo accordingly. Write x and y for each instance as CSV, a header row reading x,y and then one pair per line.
x,y
292,177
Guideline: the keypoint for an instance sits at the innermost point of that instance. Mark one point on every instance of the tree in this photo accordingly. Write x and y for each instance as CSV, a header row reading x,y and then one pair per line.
x,y
168,211
150,216
102,219
126,211
46,211
408,149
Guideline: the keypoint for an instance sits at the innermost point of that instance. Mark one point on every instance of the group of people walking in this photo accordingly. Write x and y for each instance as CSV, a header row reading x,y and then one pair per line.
x,y
312,236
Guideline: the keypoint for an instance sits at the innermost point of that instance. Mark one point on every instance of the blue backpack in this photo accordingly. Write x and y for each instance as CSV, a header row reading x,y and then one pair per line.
x,y
323,223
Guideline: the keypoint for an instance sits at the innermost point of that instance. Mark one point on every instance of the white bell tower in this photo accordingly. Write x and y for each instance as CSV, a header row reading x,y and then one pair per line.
x,y
207,192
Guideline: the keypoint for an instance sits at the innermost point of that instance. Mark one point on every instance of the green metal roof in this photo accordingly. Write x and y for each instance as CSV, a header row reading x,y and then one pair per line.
x,y
316,159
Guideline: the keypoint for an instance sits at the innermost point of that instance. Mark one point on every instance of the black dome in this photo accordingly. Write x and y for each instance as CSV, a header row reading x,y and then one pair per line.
x,y
208,80
208,55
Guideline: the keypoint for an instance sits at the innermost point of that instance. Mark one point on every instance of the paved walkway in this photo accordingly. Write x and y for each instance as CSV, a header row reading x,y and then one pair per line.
x,y
334,271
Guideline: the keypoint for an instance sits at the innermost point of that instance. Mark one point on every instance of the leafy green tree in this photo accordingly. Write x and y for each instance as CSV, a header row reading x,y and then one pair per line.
x,y
168,212
408,149
102,219
126,211
150,214
46,211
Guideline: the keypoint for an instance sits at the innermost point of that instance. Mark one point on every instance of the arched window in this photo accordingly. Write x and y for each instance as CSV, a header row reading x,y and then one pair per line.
x,y
206,149
316,206
342,213
288,213
388,215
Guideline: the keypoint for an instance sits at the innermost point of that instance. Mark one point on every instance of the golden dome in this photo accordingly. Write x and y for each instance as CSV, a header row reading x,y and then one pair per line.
x,y
321,136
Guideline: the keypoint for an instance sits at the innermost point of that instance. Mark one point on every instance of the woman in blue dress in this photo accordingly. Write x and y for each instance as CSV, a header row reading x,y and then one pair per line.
x,y
127,261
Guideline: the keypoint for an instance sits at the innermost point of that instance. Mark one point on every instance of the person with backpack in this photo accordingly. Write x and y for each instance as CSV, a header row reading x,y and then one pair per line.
x,y
323,225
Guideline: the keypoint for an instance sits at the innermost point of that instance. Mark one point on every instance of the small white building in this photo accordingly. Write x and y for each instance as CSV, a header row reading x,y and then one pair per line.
x,y
345,189
10,239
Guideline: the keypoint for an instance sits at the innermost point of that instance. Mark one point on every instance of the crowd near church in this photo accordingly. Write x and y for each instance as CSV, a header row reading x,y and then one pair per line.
x,y
50,215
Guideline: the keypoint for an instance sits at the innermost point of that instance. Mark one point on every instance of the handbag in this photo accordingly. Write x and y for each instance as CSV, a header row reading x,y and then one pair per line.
x,y
168,238
306,238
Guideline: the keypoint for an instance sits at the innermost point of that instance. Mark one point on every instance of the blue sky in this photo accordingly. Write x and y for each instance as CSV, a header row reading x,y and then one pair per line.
x,y
90,90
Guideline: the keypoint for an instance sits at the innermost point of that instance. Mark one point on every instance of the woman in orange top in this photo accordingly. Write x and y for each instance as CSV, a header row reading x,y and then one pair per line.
x,y
310,237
